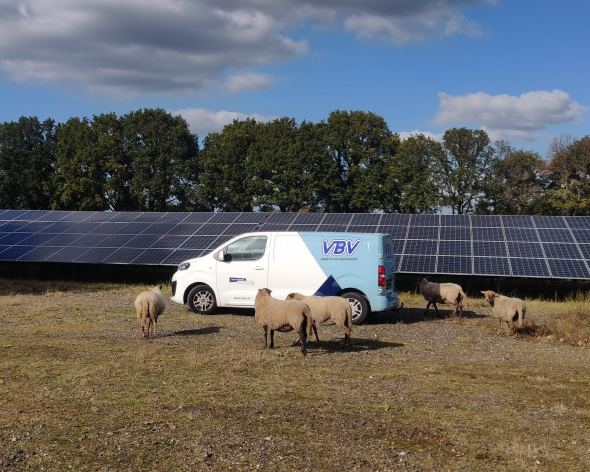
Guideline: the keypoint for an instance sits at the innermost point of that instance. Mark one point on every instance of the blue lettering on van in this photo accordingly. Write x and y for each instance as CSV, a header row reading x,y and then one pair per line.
x,y
236,279
339,247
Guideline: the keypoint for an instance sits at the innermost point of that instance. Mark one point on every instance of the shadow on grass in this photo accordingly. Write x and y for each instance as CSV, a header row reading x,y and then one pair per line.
x,y
196,331
417,315
356,345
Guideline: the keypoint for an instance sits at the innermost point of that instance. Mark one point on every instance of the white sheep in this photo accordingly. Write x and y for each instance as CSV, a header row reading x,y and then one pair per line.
x,y
506,309
447,293
149,306
323,309
281,315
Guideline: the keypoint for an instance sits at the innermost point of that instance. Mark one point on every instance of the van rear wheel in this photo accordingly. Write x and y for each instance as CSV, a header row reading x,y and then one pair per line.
x,y
360,307
201,300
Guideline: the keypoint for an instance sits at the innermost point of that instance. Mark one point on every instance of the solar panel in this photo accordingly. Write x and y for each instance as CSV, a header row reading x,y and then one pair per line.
x,y
454,248
487,234
561,251
396,232
454,265
519,246
572,269
365,219
491,266
418,246
529,267
418,264
309,218
455,232
425,220
489,249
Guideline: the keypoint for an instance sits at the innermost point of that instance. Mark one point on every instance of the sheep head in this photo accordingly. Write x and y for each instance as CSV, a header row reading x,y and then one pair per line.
x,y
294,296
264,291
489,295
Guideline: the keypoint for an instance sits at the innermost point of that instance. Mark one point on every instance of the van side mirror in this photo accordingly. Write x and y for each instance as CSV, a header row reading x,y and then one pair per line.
x,y
227,257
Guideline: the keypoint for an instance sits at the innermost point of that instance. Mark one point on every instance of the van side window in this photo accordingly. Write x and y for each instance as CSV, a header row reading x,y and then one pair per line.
x,y
250,248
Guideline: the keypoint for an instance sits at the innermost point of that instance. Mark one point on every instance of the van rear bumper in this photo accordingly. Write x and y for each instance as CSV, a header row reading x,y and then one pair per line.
x,y
383,303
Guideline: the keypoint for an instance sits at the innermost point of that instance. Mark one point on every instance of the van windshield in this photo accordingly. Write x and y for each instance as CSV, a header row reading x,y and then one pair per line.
x,y
249,248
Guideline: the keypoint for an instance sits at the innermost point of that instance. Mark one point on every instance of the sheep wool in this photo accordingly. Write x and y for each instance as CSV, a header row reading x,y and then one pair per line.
x,y
324,309
149,305
506,309
447,293
281,315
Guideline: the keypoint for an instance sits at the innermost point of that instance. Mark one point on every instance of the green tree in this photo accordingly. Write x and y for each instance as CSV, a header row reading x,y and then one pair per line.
x,y
569,171
411,182
116,164
516,183
463,168
362,146
163,155
79,182
27,159
223,180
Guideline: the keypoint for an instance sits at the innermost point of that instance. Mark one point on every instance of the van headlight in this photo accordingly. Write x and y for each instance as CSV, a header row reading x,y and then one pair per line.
x,y
184,266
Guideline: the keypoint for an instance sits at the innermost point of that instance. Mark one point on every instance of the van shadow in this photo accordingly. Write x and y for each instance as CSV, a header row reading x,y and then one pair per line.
x,y
196,331
417,315
356,345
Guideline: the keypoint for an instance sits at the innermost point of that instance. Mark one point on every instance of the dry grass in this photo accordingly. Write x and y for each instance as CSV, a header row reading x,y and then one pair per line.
x,y
81,390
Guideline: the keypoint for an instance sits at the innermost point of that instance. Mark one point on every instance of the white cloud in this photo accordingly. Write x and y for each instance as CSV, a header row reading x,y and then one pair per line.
x,y
202,121
241,82
135,46
508,116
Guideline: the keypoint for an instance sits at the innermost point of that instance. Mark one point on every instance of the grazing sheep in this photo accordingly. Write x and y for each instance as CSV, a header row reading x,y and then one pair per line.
x,y
448,293
149,305
281,315
335,309
506,309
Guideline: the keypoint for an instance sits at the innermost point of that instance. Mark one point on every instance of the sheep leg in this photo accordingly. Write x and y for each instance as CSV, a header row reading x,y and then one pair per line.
x,y
272,338
303,339
265,328
315,330
436,308
154,327
499,325
427,307
143,330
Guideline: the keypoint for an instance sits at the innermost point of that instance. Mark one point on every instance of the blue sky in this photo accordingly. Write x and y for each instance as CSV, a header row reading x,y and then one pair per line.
x,y
517,69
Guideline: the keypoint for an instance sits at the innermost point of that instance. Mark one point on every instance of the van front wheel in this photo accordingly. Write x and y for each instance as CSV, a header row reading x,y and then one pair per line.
x,y
360,307
201,300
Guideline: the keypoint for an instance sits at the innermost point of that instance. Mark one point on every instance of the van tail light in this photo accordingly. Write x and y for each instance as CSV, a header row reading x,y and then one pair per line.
x,y
381,282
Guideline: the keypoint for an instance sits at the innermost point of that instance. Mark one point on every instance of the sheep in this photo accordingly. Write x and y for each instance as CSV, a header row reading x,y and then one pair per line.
x,y
149,305
335,309
281,315
447,293
506,309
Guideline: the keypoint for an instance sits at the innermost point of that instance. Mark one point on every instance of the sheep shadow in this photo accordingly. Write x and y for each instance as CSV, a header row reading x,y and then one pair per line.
x,y
356,345
196,331
417,315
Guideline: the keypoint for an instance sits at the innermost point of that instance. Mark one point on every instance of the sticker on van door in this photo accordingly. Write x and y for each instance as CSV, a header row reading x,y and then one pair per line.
x,y
340,247
241,281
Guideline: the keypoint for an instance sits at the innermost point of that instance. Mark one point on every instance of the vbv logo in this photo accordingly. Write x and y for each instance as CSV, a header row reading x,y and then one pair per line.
x,y
339,247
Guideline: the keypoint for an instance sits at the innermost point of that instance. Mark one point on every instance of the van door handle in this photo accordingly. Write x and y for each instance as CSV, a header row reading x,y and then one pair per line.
x,y
258,268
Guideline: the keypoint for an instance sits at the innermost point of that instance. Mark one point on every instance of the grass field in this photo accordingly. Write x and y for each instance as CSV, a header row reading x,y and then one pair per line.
x,y
81,390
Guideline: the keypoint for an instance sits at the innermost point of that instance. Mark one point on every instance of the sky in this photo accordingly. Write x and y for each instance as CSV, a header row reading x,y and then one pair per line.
x,y
518,69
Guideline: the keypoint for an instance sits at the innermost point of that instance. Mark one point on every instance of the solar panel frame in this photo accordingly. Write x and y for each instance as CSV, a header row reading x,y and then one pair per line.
x,y
489,249
454,265
498,266
365,219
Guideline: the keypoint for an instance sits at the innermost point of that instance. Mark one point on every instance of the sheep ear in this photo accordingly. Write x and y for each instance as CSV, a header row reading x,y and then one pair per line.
x,y
160,287
482,292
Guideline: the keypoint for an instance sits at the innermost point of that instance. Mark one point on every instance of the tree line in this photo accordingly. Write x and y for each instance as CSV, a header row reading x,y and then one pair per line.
x,y
148,160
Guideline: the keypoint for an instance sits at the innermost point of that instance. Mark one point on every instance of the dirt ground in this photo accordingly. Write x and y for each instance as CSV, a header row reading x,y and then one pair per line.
x,y
81,390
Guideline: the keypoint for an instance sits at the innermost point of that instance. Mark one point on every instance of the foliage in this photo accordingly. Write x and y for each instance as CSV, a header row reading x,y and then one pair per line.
x,y
411,183
148,160
163,155
463,168
27,159
516,182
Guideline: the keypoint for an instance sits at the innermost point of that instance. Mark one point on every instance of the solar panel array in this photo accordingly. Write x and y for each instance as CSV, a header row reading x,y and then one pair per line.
x,y
507,246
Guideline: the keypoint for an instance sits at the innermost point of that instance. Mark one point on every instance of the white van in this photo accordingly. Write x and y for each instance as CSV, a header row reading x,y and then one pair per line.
x,y
357,266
